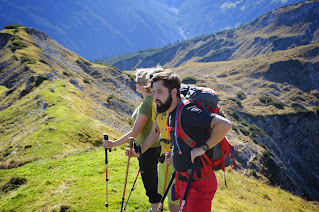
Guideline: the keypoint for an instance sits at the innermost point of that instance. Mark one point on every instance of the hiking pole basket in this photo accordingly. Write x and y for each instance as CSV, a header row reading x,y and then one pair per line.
x,y
106,137
131,139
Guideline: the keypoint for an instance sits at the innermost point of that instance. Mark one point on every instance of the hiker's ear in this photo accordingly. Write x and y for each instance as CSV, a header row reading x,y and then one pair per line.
x,y
174,91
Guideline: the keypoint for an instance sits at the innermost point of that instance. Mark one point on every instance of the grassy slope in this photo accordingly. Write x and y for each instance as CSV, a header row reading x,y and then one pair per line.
x,y
78,182
44,123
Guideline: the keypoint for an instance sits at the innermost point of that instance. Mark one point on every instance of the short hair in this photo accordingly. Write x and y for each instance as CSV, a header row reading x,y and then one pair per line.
x,y
144,76
170,80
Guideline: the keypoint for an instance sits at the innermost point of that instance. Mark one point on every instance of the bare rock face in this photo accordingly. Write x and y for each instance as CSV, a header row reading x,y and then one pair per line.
x,y
293,141
76,83
4,38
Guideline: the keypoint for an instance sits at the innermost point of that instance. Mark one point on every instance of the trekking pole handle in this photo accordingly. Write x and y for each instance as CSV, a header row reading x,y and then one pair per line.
x,y
131,139
106,137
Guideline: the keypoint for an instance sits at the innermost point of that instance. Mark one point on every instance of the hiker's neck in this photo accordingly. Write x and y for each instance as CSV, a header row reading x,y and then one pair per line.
x,y
175,101
146,94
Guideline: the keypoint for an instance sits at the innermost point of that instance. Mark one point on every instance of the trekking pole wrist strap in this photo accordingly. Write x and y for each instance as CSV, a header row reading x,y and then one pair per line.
x,y
138,149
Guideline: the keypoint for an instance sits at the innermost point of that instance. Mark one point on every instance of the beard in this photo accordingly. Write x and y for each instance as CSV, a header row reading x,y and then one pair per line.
x,y
162,107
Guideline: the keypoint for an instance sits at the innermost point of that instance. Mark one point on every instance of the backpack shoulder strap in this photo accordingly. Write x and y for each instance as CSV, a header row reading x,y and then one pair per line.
x,y
179,132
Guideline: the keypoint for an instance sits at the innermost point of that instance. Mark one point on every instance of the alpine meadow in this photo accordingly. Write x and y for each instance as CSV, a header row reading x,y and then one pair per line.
x,y
55,104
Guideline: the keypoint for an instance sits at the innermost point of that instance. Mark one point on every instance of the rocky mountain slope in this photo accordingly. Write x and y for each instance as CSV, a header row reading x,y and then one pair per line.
x,y
285,28
53,101
274,110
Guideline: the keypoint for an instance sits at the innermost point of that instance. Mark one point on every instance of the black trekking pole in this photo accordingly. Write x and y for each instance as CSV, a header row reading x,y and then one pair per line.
x,y
127,167
159,208
106,137
187,188
132,189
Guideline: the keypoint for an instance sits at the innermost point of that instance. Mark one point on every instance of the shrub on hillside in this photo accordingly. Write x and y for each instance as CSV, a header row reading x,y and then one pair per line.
x,y
15,45
265,99
267,154
240,95
66,73
27,60
12,26
14,183
235,115
278,104
86,81
235,128
43,61
268,101
255,131
80,60
189,80
239,119
243,130
110,97
236,100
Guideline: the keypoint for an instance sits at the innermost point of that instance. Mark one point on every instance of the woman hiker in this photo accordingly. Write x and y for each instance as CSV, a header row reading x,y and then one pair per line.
x,y
142,117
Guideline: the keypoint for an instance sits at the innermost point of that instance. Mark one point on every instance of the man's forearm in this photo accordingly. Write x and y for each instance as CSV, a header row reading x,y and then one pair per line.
x,y
150,140
219,131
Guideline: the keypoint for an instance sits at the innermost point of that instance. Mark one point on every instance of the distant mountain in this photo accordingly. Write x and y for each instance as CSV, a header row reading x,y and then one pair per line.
x,y
99,29
282,29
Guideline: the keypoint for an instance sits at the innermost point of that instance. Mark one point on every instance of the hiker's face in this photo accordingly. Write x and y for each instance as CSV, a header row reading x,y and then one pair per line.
x,y
162,96
139,87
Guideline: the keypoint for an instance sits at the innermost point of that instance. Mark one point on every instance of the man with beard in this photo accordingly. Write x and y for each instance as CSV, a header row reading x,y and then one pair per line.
x,y
195,122
165,167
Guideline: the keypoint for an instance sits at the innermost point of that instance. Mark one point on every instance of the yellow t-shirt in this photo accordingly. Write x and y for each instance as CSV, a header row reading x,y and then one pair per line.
x,y
161,121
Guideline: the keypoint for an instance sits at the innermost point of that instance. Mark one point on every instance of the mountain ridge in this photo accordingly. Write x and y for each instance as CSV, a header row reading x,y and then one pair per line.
x,y
282,29
99,29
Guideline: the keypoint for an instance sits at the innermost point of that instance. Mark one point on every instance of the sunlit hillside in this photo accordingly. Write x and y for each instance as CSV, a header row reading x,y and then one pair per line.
x,y
53,102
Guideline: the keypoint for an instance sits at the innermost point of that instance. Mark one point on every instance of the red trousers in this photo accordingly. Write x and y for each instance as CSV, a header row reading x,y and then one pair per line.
x,y
200,195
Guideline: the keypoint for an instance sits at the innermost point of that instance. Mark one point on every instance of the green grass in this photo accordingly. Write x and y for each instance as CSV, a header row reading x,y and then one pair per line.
x,y
57,130
78,183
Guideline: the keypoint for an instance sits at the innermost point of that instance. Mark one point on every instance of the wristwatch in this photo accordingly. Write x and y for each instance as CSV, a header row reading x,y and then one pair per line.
x,y
205,147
